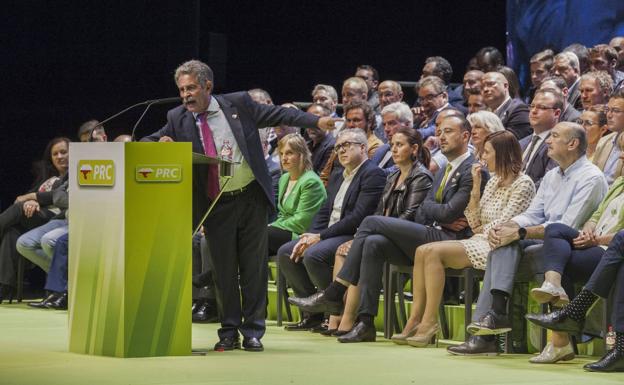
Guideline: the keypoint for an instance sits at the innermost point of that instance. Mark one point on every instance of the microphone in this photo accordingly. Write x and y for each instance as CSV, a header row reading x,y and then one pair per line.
x,y
149,103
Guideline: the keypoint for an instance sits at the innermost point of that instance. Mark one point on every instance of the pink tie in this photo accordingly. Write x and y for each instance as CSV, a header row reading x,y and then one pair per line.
x,y
210,149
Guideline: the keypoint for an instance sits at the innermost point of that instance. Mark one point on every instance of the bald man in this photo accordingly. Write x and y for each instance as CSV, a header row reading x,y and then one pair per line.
x,y
512,112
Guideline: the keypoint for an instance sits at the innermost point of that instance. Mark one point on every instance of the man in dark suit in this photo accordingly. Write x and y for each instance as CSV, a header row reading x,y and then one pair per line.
x,y
352,195
567,66
545,112
512,112
569,113
380,239
321,142
227,126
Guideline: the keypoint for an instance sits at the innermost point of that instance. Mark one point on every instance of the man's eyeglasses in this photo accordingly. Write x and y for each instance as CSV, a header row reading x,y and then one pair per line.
x,y
585,123
429,98
344,146
613,110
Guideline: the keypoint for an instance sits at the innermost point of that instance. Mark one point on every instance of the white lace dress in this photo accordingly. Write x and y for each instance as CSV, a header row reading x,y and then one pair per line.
x,y
497,205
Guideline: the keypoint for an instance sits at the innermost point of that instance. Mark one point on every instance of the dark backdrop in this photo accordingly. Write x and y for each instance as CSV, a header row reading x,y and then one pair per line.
x,y
67,62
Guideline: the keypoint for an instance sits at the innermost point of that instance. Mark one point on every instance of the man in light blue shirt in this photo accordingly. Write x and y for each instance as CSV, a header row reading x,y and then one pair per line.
x,y
568,194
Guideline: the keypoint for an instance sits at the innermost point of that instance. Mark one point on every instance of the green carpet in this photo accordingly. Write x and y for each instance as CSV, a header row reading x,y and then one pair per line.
x,y
33,350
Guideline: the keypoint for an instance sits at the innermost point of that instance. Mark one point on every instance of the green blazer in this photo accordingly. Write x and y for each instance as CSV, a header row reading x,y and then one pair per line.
x,y
616,189
306,198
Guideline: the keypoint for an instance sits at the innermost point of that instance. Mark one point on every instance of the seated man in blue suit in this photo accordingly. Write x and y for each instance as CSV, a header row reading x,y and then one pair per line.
x,y
351,196
380,239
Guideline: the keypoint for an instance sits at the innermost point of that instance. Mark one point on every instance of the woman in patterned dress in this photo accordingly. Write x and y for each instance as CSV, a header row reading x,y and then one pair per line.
x,y
507,194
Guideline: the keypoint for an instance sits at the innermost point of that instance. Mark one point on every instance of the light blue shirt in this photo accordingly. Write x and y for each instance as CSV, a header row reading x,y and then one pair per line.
x,y
569,197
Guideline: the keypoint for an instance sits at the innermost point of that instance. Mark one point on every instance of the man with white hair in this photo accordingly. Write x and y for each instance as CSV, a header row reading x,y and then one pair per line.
x,y
393,117
567,66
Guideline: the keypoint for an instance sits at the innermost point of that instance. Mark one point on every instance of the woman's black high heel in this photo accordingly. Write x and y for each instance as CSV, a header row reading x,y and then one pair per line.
x,y
6,292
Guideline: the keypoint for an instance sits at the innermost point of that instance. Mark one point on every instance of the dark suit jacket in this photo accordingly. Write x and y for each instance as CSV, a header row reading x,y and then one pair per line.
x,y
321,153
360,201
380,155
570,114
455,197
515,117
574,95
541,162
244,117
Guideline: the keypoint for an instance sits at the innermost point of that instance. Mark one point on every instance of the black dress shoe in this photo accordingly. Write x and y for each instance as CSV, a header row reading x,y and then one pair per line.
x,y
6,292
491,323
227,343
339,333
317,303
252,344
306,323
205,313
360,332
475,346
44,303
558,320
611,362
328,332
60,303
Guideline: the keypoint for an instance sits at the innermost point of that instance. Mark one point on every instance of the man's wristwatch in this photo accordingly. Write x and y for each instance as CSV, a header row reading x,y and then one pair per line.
x,y
522,232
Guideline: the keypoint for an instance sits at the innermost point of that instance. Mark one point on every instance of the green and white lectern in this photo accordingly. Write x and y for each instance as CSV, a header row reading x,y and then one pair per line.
x,y
130,249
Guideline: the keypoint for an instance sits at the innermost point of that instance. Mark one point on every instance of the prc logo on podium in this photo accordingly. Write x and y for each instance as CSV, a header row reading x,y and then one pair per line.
x,y
168,173
96,172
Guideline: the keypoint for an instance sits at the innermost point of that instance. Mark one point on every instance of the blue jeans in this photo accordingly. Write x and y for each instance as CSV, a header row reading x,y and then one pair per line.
x,y
37,245
57,276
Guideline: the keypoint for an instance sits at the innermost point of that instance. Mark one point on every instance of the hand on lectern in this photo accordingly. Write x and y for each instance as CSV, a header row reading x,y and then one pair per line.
x,y
166,139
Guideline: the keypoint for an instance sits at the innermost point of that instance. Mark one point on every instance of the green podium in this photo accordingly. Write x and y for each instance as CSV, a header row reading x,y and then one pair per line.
x,y
130,249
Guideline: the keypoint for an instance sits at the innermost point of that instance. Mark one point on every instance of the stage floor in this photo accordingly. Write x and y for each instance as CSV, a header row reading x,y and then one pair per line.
x,y
33,350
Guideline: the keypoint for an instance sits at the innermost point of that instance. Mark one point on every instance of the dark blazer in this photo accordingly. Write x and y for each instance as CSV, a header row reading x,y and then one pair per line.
x,y
380,154
403,203
244,117
455,197
359,202
574,95
321,152
569,114
514,115
275,172
541,162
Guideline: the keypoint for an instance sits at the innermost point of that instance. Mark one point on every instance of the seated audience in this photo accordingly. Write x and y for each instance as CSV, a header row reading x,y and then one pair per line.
x,y
301,193
582,53
370,75
568,113
87,128
607,155
474,101
483,124
568,194
594,121
31,210
540,66
471,84
405,189
512,112
389,92
567,66
607,276
352,195
327,96
321,142
394,116
570,256
604,58
617,43
512,79
507,194
432,98
380,239
596,87
489,59
440,67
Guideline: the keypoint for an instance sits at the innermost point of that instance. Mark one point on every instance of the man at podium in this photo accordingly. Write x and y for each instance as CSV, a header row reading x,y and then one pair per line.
x,y
227,126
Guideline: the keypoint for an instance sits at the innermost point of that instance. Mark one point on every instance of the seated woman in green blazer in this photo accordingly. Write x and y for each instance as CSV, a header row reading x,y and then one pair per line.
x,y
301,192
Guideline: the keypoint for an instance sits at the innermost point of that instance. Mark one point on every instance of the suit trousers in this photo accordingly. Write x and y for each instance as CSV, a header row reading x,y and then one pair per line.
x,y
57,276
379,240
500,271
13,223
610,273
316,269
236,232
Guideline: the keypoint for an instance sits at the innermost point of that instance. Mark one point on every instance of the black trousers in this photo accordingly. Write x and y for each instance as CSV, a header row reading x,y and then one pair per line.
x,y
236,231
13,223
608,274
277,238
380,239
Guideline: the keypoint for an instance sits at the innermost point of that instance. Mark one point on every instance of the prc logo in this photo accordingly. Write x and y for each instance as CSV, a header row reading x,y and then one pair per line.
x,y
96,173
168,173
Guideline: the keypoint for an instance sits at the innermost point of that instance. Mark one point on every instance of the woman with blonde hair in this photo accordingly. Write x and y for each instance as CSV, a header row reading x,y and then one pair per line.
x,y
300,194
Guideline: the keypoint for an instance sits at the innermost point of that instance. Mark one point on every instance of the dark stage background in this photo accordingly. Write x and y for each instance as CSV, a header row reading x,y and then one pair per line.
x,y
67,62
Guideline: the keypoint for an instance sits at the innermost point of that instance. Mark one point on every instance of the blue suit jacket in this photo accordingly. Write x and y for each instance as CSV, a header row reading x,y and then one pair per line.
x,y
244,117
360,201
